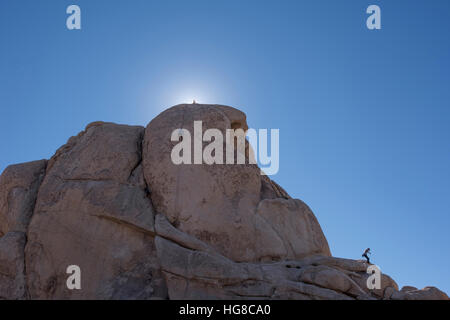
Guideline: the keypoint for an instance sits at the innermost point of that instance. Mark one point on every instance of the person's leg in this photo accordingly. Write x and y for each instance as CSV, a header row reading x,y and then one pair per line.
x,y
367,258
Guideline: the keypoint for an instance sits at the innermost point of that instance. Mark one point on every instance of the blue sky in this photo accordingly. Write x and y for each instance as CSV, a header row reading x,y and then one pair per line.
x,y
363,115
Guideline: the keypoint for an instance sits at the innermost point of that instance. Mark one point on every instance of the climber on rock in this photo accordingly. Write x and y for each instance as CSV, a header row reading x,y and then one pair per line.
x,y
365,255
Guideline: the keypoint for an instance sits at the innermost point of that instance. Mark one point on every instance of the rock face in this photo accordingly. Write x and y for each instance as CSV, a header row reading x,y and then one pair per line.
x,y
93,211
112,202
223,205
19,185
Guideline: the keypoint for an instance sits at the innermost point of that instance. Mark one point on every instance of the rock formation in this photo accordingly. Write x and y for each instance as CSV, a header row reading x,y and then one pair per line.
x,y
112,202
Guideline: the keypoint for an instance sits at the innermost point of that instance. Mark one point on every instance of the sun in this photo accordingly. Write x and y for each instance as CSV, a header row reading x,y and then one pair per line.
x,y
196,98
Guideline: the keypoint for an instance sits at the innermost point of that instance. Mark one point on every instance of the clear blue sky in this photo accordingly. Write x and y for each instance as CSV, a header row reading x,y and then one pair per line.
x,y
363,115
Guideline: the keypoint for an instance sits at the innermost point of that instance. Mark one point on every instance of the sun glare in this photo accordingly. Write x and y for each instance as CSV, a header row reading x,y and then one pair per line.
x,y
196,97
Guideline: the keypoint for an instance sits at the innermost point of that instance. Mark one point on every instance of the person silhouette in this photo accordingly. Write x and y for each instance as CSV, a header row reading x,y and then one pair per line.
x,y
365,255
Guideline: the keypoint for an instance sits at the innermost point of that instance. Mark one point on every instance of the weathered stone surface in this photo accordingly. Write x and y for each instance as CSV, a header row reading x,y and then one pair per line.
x,y
271,190
340,263
427,293
140,227
165,229
196,274
408,288
296,227
12,273
386,282
193,274
103,151
327,277
388,292
93,212
206,201
218,204
18,190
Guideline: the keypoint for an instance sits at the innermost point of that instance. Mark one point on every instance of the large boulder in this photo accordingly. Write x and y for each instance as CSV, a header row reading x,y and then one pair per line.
x,y
427,293
93,211
220,203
